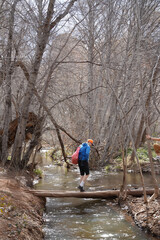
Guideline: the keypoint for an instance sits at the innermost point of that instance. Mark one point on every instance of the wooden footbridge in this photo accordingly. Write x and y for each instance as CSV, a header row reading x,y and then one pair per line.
x,y
96,194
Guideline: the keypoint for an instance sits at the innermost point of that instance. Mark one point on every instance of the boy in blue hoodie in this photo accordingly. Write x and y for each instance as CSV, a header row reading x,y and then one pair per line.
x,y
83,164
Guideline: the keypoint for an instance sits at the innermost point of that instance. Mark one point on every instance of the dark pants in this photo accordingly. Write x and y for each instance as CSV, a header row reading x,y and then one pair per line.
x,y
83,167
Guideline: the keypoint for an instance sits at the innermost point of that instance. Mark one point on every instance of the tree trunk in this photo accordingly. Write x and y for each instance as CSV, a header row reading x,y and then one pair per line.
x,y
90,70
108,143
9,66
123,189
34,142
99,194
138,137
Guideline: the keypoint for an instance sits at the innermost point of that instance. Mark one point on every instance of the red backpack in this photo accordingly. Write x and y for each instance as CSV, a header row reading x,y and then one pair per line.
x,y
75,156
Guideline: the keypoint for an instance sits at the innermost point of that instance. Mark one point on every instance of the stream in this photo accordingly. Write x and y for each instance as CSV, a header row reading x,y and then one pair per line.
x,y
78,218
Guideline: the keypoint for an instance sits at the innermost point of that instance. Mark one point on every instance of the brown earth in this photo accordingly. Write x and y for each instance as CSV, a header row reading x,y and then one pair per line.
x,y
146,216
20,211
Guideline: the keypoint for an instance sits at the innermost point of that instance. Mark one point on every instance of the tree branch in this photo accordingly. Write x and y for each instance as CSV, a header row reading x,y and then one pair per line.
x,y
23,67
58,19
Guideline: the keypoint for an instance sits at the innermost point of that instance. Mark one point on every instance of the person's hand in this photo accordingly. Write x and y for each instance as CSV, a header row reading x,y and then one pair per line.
x,y
148,137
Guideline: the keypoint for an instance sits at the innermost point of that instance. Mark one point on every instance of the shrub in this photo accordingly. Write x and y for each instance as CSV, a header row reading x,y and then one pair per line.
x,y
38,172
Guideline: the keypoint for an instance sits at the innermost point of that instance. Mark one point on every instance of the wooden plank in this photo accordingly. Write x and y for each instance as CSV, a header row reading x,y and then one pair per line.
x,y
96,194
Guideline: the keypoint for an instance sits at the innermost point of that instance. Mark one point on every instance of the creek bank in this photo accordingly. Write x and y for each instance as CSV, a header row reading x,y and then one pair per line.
x,y
21,213
147,217
145,167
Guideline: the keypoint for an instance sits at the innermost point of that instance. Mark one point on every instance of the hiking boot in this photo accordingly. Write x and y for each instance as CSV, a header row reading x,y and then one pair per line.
x,y
80,188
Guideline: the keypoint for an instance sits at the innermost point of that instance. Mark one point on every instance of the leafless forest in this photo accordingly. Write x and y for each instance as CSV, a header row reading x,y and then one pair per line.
x,y
78,69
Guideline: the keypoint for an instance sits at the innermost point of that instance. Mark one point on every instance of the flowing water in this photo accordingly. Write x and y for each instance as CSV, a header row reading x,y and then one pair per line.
x,y
74,218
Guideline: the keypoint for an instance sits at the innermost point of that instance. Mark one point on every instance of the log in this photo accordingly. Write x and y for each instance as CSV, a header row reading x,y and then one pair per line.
x,y
96,194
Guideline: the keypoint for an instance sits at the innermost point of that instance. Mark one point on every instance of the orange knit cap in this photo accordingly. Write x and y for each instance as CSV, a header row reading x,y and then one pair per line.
x,y
90,140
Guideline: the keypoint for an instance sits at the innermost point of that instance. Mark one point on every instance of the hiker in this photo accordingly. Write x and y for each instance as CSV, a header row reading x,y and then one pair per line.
x,y
156,146
83,164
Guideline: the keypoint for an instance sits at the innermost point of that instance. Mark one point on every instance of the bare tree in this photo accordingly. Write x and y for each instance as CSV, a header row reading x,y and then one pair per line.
x,y
42,39
145,106
8,72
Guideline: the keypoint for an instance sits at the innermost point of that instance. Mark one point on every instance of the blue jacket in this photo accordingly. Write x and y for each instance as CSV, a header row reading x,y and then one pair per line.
x,y
84,152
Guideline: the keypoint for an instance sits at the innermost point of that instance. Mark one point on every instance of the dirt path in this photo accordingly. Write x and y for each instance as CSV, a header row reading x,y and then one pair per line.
x,y
20,212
